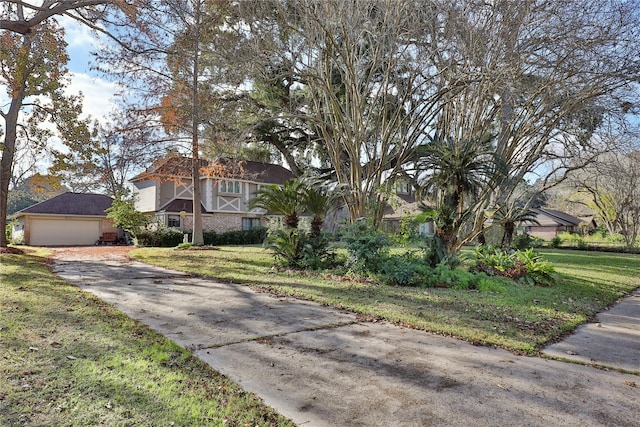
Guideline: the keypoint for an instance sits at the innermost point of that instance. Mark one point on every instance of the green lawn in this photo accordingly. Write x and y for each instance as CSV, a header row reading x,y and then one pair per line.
x,y
517,317
66,358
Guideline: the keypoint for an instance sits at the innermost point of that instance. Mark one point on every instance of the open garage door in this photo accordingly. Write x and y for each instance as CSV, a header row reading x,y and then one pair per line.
x,y
63,232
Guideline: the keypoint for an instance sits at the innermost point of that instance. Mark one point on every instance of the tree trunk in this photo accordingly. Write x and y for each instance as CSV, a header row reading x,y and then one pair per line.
x,y
507,237
291,221
316,226
9,149
6,163
197,238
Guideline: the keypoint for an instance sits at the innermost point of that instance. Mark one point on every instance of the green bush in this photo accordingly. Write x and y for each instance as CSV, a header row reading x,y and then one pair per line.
x,y
443,276
286,244
435,253
316,253
162,237
526,266
526,241
404,270
255,236
581,244
367,249
556,242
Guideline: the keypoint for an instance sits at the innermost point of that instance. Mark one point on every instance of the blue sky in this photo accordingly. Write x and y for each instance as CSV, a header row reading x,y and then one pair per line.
x,y
98,92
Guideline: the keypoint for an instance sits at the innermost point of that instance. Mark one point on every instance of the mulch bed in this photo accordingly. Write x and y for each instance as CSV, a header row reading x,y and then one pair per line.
x,y
11,251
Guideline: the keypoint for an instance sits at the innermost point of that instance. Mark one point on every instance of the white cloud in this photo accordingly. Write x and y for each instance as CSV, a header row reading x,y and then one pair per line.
x,y
98,94
78,35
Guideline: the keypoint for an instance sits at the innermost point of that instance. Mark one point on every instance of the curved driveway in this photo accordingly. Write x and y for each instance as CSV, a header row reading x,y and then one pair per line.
x,y
324,367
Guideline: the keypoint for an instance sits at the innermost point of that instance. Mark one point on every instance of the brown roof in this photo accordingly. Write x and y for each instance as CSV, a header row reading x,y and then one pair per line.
x,y
179,166
71,204
550,216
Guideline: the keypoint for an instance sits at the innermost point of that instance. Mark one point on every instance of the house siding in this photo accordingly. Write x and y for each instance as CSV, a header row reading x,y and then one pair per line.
x,y
167,192
146,196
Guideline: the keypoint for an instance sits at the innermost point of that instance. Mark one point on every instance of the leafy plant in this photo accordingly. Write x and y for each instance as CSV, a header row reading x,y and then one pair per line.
x,y
538,270
526,266
162,237
404,270
124,215
367,249
286,245
556,242
286,200
435,252
316,253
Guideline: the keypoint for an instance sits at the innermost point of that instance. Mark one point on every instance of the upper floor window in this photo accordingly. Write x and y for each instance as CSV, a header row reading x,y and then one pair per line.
x,y
403,187
225,186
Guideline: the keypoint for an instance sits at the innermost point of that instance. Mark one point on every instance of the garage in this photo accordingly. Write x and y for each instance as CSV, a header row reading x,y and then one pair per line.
x,y
61,232
68,219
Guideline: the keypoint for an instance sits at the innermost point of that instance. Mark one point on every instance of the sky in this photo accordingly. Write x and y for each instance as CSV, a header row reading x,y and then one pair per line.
x,y
98,92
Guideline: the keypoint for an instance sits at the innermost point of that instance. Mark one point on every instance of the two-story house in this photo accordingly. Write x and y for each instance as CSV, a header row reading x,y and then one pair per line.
x,y
227,186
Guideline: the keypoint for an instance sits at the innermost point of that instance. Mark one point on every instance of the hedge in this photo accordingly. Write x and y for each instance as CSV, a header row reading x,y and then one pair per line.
x,y
170,237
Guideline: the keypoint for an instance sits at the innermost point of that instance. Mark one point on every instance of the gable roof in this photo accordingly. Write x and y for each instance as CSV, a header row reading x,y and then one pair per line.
x,y
552,217
71,204
249,170
180,205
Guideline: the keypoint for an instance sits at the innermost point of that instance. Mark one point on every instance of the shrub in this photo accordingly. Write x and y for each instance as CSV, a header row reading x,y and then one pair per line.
x,y
582,244
556,242
367,249
254,236
316,253
435,253
162,237
443,276
526,241
525,266
404,270
286,245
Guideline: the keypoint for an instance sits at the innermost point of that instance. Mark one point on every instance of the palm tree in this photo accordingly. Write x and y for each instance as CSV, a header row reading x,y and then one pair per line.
x,y
286,200
318,200
456,173
508,216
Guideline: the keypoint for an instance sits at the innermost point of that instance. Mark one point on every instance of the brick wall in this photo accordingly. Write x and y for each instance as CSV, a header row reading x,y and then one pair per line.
x,y
218,222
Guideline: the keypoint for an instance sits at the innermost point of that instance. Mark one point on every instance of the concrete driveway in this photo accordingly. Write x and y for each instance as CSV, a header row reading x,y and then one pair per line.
x,y
325,367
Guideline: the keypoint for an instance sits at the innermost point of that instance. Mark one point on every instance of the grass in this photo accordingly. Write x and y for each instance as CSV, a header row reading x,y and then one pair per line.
x,y
66,358
516,317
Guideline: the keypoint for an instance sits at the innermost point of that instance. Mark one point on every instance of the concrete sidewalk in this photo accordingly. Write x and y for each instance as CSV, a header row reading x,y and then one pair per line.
x,y
323,367
613,341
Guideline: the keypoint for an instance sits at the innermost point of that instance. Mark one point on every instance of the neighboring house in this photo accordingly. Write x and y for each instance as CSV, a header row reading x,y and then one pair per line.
x,y
166,191
69,219
551,222
404,205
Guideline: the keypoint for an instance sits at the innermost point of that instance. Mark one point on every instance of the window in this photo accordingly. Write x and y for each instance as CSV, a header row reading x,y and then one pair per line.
x,y
229,187
250,223
403,187
173,221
